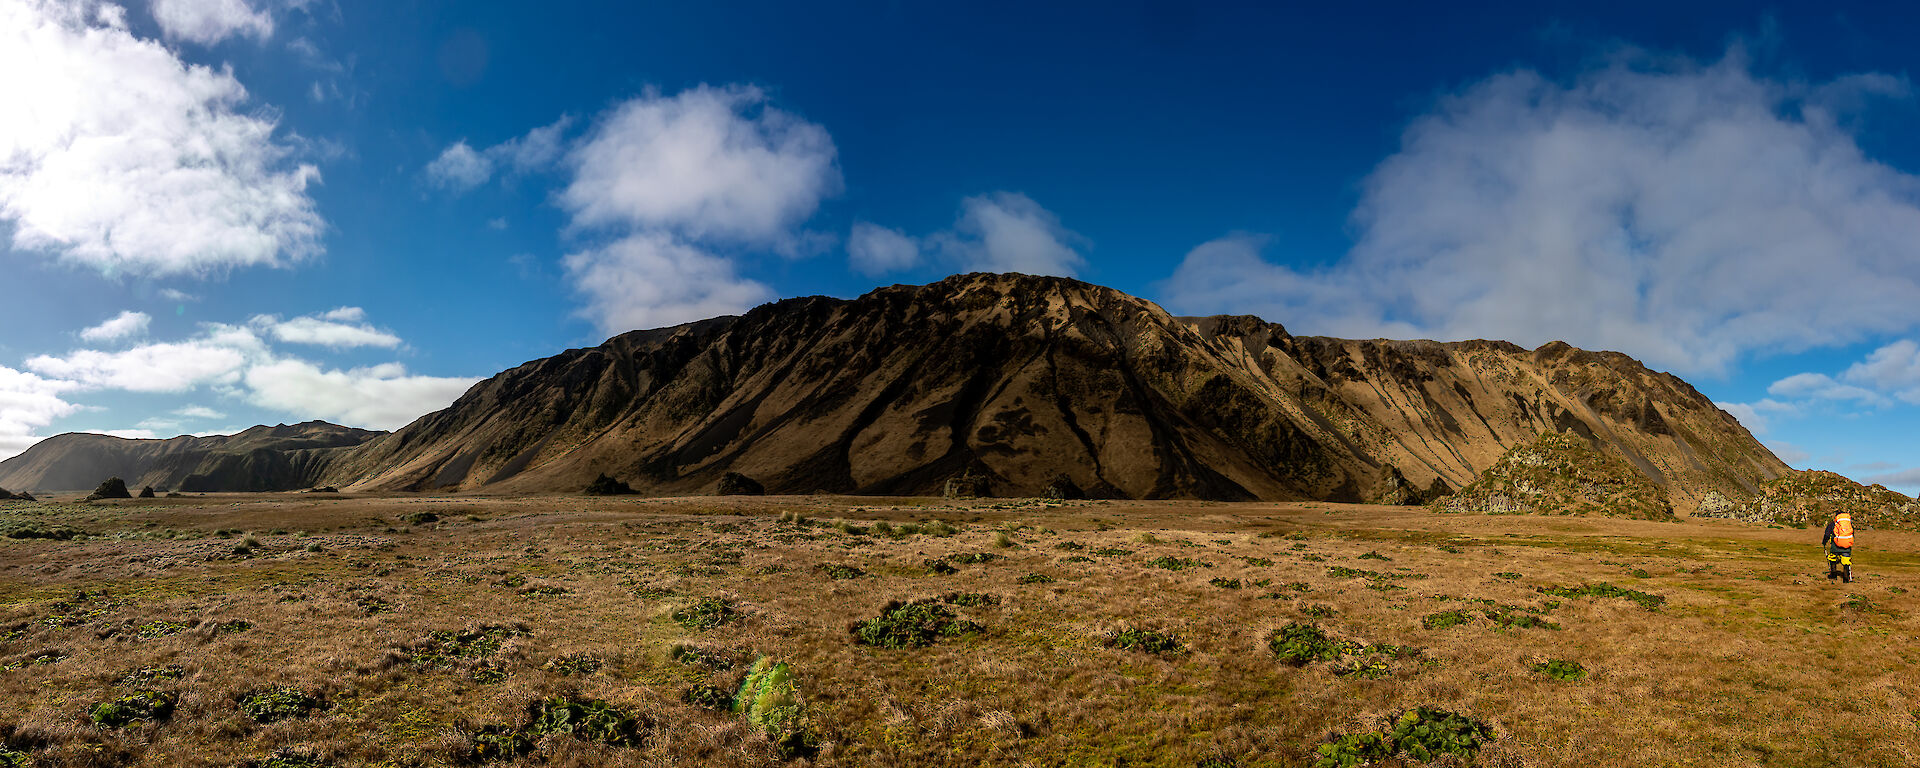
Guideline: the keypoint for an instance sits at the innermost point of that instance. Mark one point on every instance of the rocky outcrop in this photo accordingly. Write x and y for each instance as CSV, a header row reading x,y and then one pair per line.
x,y
1560,474
736,484
1810,498
111,488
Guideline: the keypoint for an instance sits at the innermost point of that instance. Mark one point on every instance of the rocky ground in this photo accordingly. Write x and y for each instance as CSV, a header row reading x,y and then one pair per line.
x,y
290,630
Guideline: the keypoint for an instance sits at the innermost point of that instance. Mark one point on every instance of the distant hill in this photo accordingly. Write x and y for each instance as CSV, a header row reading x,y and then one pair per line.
x,y
1013,382
276,458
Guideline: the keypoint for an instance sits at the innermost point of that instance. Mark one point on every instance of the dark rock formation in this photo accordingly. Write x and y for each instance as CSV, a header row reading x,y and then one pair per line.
x,y
112,488
736,484
607,486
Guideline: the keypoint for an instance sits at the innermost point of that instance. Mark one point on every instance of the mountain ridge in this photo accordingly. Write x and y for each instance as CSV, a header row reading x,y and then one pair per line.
x,y
1013,382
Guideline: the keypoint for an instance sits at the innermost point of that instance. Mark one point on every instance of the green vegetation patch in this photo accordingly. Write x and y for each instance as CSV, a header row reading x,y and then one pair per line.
x,y
1171,563
269,705
1035,578
1374,555
1561,669
1421,734
287,758
838,572
153,629
36,530
769,699
914,624
1446,619
1113,552
708,696
1225,583
970,599
146,676
694,656
1505,619
1145,640
1560,474
1603,589
446,648
574,664
1301,644
139,706
706,614
10,758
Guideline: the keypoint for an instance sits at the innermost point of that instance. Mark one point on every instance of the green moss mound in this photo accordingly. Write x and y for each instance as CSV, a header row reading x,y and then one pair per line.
x,y
1560,474
140,706
914,624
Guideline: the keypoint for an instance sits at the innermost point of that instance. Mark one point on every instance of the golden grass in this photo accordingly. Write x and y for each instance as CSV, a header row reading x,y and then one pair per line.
x,y
1754,660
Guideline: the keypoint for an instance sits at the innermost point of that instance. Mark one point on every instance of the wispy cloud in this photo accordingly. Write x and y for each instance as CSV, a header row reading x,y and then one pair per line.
x,y
124,325
210,21
460,167
996,232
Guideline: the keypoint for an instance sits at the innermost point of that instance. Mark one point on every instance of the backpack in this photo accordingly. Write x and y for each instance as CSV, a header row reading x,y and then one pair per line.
x,y
1843,531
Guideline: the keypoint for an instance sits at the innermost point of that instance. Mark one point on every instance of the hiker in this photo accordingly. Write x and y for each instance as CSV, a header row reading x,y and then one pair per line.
x,y
1838,541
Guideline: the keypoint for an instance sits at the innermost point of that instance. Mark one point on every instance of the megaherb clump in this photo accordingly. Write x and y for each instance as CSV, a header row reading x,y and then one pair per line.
x,y
912,624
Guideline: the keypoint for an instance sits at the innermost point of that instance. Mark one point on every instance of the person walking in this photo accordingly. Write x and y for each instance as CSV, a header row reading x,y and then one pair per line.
x,y
1838,542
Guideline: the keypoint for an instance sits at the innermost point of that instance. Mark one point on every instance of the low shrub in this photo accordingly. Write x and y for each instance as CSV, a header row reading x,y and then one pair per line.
x,y
1508,575
153,629
419,518
574,664
1144,640
1446,619
1300,644
1420,734
140,706
706,614
838,572
971,599
1225,583
1070,546
1561,669
1035,578
587,720
1113,552
914,624
1603,589
708,696
1374,555
278,703
699,657
1171,563
446,648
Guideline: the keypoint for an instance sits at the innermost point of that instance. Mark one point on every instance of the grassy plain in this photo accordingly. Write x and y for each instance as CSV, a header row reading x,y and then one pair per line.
x,y
370,635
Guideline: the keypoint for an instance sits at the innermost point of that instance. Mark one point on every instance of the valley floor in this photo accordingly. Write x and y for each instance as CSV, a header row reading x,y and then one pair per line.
x,y
389,631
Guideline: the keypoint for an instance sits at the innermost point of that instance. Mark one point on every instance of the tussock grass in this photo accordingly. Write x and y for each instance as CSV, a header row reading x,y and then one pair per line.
x,y
1735,667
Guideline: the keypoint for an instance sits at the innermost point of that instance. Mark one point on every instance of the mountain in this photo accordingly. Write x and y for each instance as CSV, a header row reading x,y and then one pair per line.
x,y
277,458
1012,383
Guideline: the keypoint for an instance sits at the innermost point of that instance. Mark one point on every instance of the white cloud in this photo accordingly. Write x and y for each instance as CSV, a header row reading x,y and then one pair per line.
x,y
209,21
164,367
874,250
461,167
175,294
1009,232
199,412
1894,368
124,325
709,163
341,328
119,156
1820,386
28,402
1683,213
650,280
377,397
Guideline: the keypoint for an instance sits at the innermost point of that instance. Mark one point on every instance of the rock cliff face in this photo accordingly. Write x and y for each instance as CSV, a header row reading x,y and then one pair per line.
x,y
276,458
1018,383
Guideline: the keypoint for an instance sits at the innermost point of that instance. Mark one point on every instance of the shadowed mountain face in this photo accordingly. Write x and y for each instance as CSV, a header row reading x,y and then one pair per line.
x,y
277,458
1016,381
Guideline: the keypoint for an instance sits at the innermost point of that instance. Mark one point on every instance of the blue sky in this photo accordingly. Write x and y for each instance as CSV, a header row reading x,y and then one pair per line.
x,y
217,213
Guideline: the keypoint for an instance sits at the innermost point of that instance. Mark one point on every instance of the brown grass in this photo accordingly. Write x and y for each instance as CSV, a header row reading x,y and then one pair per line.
x,y
1754,660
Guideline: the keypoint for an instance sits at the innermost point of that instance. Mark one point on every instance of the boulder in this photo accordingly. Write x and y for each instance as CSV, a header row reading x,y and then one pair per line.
x,y
147,492
1063,487
607,486
113,488
736,484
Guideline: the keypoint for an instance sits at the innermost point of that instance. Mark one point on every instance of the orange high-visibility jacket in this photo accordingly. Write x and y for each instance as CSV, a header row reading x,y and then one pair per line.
x,y
1843,530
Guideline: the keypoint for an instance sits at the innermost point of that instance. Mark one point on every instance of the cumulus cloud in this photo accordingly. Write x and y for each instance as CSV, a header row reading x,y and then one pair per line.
x,y
461,167
875,250
124,325
1748,416
651,280
199,412
1820,386
1009,232
1893,369
340,329
1683,213
377,397
121,157
163,367
27,403
708,163
209,21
